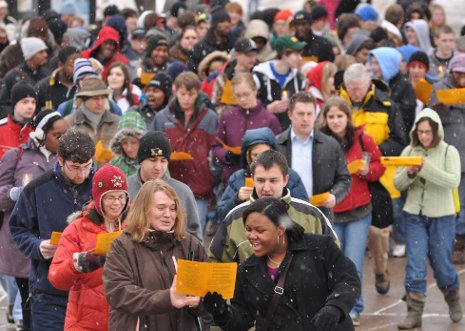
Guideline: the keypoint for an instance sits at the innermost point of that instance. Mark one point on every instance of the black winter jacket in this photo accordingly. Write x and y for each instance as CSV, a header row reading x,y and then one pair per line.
x,y
403,94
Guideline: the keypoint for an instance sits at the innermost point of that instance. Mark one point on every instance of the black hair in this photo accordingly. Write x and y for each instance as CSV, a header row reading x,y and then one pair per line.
x,y
269,159
110,10
76,146
66,52
276,211
47,126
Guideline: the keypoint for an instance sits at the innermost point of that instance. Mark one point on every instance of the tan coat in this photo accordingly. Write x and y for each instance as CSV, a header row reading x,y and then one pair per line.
x,y
137,278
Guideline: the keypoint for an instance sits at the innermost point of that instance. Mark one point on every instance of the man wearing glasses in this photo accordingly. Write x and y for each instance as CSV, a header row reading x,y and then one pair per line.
x,y
42,208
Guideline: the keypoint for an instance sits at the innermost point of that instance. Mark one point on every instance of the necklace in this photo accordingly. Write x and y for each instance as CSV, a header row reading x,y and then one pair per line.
x,y
274,262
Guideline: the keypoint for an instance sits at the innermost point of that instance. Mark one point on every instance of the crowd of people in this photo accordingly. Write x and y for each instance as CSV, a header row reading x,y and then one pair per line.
x,y
202,134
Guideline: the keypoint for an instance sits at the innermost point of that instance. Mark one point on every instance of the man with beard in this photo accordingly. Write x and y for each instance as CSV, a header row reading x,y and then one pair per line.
x,y
51,91
31,70
157,95
218,38
106,49
317,46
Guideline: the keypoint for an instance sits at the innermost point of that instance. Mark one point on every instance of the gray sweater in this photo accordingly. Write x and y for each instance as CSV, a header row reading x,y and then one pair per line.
x,y
185,196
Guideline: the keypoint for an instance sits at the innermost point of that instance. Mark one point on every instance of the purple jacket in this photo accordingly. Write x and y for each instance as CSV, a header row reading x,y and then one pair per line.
x,y
231,128
15,171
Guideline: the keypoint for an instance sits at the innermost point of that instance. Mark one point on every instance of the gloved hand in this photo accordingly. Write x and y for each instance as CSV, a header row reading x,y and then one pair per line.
x,y
215,304
232,158
15,192
327,318
88,261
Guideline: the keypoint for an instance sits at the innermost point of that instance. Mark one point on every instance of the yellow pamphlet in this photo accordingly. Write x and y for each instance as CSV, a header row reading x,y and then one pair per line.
x,y
104,241
249,182
198,278
423,90
318,199
228,97
451,97
146,77
401,161
234,150
355,166
102,154
177,156
55,238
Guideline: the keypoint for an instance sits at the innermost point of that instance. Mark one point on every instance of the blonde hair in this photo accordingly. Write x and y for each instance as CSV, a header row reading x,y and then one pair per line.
x,y
329,70
137,220
244,77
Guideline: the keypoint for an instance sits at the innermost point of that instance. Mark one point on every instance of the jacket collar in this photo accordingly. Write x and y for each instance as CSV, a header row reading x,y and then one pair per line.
x,y
80,118
286,197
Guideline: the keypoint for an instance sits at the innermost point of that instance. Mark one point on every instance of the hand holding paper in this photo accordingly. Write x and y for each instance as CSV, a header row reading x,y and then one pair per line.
x,y
179,300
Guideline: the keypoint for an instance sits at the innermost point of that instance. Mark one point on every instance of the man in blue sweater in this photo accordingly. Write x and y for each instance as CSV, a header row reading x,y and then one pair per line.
x,y
42,208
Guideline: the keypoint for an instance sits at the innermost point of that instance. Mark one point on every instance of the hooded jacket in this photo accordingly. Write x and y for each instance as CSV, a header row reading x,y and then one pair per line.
x,y
87,307
452,117
232,126
229,199
106,33
402,92
430,191
230,242
195,137
258,28
423,35
12,134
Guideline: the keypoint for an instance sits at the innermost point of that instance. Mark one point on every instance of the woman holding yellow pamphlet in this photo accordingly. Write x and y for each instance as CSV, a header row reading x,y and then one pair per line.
x,y
352,216
294,280
139,276
76,267
430,216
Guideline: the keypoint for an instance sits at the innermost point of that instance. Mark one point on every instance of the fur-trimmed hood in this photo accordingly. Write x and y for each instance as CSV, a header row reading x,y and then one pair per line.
x,y
132,124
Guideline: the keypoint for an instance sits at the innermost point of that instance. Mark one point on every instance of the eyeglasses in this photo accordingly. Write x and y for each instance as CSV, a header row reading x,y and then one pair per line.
x,y
113,199
78,169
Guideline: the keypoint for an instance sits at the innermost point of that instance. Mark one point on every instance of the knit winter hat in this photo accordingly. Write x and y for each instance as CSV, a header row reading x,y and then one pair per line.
x,y
457,64
175,69
421,58
82,68
108,179
154,144
219,15
319,12
301,15
31,46
163,82
356,42
283,15
68,8
131,124
20,91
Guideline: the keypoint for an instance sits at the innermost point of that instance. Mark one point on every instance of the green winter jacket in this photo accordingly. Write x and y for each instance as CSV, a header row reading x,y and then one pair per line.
x,y
430,191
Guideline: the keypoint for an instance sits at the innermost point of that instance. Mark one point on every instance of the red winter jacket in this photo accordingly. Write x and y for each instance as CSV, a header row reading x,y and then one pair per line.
x,y
87,306
12,134
107,33
359,194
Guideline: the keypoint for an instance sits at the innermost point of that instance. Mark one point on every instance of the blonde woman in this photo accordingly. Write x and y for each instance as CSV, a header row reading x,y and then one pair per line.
x,y
140,268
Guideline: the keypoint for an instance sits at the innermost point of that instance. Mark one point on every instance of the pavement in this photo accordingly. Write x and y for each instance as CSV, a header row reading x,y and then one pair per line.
x,y
382,312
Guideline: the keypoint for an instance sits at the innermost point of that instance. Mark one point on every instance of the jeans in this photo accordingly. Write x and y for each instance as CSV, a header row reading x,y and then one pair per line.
x,y
48,312
433,238
354,236
398,231
202,207
461,218
14,298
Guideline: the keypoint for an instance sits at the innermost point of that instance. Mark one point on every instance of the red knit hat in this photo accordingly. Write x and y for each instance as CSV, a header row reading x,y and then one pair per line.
x,y
283,15
108,179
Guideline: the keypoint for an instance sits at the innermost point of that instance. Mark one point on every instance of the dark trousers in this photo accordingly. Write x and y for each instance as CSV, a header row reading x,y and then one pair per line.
x,y
48,312
23,286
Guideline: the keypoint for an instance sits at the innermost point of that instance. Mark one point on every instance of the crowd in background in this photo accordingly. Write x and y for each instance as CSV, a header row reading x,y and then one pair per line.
x,y
174,126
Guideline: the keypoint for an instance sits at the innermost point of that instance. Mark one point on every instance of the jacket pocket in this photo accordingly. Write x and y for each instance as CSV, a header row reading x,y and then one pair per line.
x,y
377,126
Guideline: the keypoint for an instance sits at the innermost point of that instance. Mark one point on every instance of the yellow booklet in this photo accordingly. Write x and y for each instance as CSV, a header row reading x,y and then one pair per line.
x,y
178,156
55,238
197,278
452,96
355,166
401,161
102,154
104,241
423,90
318,199
249,182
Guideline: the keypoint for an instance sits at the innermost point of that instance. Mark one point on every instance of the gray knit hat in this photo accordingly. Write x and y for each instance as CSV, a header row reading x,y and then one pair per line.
x,y
31,46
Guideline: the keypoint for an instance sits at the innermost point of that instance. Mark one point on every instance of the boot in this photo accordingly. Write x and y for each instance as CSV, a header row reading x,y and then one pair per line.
x,y
9,314
458,254
455,308
415,305
382,283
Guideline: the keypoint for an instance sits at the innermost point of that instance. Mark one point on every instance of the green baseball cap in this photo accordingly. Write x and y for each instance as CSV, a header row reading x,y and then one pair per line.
x,y
288,42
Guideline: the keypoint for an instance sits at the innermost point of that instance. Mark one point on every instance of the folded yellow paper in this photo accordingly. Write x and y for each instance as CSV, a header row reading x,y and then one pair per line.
x,y
249,182
228,97
355,166
401,161
451,97
104,241
55,238
318,199
234,150
102,154
197,278
423,90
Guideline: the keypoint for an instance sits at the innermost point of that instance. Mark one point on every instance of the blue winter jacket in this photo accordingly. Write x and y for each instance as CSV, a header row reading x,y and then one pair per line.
x,y
229,199
43,207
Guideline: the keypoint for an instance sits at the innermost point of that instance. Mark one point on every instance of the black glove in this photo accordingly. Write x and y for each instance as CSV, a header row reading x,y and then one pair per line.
x,y
232,158
88,262
327,318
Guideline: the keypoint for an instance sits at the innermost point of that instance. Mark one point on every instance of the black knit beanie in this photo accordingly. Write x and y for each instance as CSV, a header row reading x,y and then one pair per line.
x,y
219,15
419,56
20,91
163,82
153,144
